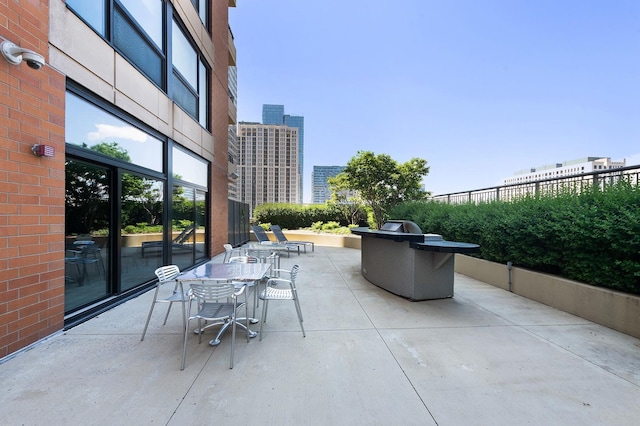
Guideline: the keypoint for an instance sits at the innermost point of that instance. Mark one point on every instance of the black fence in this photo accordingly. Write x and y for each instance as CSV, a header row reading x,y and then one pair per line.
x,y
575,182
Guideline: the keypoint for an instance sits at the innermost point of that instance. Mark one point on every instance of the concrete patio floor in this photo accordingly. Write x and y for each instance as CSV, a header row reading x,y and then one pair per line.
x,y
483,357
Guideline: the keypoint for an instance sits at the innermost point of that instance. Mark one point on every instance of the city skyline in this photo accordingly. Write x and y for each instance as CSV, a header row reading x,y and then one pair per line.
x,y
479,89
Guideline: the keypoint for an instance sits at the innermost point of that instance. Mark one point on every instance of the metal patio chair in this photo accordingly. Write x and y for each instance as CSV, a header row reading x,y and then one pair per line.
x,y
217,303
285,290
167,274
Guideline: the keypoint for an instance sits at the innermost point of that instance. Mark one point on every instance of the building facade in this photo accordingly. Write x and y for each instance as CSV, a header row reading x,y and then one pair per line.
x,y
568,168
268,164
320,182
274,114
114,156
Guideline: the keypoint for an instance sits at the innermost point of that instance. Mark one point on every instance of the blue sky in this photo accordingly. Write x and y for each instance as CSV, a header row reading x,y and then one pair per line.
x,y
478,88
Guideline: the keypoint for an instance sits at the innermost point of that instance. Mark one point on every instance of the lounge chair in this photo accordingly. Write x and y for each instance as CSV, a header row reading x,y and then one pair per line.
x,y
277,231
260,234
263,238
183,240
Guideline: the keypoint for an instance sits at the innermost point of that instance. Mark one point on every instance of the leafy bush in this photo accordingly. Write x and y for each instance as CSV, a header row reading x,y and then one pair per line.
x,y
296,216
592,237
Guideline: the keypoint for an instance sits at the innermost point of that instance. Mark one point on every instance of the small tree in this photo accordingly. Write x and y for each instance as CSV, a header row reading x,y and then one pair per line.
x,y
383,183
346,200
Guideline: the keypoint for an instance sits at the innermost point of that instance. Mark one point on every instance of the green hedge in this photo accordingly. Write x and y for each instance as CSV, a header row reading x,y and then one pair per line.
x,y
296,216
592,237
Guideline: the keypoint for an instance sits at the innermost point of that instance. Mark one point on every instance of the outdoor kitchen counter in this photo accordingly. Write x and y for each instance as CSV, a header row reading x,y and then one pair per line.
x,y
412,265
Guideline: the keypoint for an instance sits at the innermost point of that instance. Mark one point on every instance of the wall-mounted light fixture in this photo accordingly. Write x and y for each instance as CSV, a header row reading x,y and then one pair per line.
x,y
43,150
234,175
16,54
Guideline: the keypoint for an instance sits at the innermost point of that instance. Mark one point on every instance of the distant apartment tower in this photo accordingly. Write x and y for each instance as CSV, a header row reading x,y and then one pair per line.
x,y
268,164
568,168
274,114
320,185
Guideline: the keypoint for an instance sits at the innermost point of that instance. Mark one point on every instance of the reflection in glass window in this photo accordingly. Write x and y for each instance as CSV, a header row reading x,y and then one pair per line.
x,y
190,76
92,11
189,168
201,223
93,128
148,14
184,56
183,226
142,211
133,45
87,224
202,95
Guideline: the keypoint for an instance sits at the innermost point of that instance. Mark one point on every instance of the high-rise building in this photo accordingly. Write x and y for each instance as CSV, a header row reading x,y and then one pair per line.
x,y
320,184
568,168
268,164
274,114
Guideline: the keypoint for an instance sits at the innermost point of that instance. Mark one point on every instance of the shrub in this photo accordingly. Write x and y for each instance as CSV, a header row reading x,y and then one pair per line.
x,y
593,236
296,216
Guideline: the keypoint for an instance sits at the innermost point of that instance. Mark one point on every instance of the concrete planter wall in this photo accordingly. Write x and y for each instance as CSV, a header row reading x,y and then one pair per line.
x,y
613,309
331,240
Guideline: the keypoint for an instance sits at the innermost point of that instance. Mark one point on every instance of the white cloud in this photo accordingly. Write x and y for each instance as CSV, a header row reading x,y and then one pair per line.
x,y
107,131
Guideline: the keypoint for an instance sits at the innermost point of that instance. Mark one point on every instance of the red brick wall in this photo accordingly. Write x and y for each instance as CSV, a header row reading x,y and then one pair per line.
x,y
219,127
31,188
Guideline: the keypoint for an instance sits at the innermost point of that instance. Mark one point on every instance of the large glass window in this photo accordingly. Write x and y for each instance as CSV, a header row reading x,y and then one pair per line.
x,y
137,48
87,228
142,231
148,14
125,216
188,168
184,57
190,76
93,128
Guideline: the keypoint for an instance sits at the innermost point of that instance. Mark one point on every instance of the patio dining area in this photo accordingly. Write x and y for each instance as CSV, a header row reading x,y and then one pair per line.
x,y
483,357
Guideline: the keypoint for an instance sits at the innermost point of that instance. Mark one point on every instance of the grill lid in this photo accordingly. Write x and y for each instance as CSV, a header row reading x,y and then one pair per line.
x,y
401,227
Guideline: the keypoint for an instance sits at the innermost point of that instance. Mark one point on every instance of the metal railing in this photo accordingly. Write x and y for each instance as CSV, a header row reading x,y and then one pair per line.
x,y
577,183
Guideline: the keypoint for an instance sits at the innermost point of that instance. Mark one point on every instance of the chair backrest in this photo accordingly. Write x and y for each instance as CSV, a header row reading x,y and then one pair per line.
x,y
228,249
167,273
243,259
294,274
185,235
211,290
277,231
260,233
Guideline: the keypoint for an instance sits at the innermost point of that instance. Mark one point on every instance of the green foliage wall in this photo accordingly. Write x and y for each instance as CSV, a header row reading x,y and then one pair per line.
x,y
296,216
592,237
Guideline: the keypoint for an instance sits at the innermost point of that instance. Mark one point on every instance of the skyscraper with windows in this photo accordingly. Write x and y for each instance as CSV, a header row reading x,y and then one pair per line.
x,y
274,114
268,163
319,181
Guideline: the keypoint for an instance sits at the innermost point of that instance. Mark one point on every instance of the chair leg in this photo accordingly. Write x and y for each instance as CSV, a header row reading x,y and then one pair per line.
x,y
233,336
263,317
184,346
153,304
167,315
299,311
246,315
